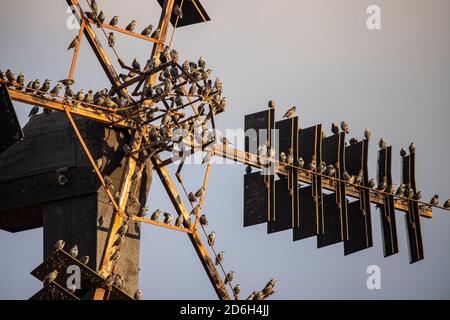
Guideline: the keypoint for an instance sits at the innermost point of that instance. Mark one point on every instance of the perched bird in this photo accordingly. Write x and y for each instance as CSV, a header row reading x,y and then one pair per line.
x,y
447,204
271,104
10,76
177,11
418,195
403,152
89,98
330,171
115,255
283,158
80,95
74,251
345,127
136,66
34,111
322,167
123,229
252,296
383,184
68,93
35,85
50,277
219,258
179,221
114,21
346,176
84,260
131,26
168,218
59,245
237,289
156,34
118,281
111,39
155,215
392,189
371,183
382,144
75,42
409,193
435,200
143,212
20,81
109,281
94,7
359,178
269,286
259,296
290,157
138,295
45,87
200,192
367,134
192,197
211,238
56,89
412,148
353,141
147,31
67,82
401,190
312,165
229,277
301,162
100,19
334,128
203,220
29,88
290,113
201,63
119,241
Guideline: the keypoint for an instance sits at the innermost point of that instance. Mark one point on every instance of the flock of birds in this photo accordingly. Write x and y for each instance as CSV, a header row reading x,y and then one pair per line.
x,y
113,279
266,155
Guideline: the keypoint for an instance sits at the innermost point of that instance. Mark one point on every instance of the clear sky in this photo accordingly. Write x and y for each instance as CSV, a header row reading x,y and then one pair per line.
x,y
317,55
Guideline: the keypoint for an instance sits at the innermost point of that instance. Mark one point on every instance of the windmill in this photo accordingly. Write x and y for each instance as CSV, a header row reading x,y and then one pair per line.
x,y
144,145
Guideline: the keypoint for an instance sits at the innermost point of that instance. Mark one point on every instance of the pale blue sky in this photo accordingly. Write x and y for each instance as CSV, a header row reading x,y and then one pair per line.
x,y
317,55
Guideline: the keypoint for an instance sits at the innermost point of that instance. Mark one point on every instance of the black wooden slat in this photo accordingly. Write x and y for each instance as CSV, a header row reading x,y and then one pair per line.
x,y
256,198
10,130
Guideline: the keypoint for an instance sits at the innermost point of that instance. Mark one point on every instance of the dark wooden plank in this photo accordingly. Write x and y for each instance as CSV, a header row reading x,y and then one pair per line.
x,y
10,130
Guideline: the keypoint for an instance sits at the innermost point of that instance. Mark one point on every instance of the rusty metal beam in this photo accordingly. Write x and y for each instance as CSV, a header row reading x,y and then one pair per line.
x,y
195,238
77,49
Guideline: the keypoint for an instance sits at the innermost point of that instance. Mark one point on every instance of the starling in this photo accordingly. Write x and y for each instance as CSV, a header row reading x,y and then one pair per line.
x,y
383,185
412,148
252,296
94,7
211,238
353,141
119,241
143,212
115,255
330,171
271,104
435,200
74,43
382,144
138,295
147,31
283,158
100,19
346,176
417,196
34,111
109,281
84,260
312,165
322,167
270,285
200,192
359,178
36,85
403,152
179,221
114,21
89,98
29,88
219,258
111,39
45,87
447,204
131,26
56,89
74,251
156,34
80,95
229,277
237,289
168,218
123,229
345,127
367,134
21,81
371,184
392,189
50,277
136,65
67,82
59,245
118,281
334,128
192,197
401,190
203,220
201,63
259,296
177,11
290,113
68,93
301,162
